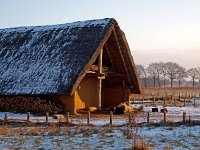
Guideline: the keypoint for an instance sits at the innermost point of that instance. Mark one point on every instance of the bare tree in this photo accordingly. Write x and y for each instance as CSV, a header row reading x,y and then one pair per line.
x,y
193,73
163,70
152,71
198,75
142,73
172,70
158,68
181,75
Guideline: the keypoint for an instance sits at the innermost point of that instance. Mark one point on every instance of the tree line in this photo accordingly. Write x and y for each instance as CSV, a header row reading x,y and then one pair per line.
x,y
165,74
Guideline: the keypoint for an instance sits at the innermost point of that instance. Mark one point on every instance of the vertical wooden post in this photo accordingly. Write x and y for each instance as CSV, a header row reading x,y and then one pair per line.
x,y
129,101
190,122
88,118
111,116
134,99
129,117
148,117
5,118
28,117
99,84
194,102
124,93
165,117
67,117
143,99
47,117
184,101
184,117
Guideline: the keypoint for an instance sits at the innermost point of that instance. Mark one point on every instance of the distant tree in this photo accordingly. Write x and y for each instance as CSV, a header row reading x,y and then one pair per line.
x,y
158,67
142,73
198,75
181,75
172,70
193,73
163,70
152,71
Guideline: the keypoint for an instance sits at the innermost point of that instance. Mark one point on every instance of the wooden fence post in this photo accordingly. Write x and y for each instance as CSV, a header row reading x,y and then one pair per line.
x,y
154,99
184,101
28,117
129,117
133,99
148,117
111,116
47,117
190,122
88,118
194,102
67,117
189,97
184,117
5,118
165,117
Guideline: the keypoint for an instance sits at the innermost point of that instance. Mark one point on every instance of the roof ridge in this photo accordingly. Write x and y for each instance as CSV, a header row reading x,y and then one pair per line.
x,y
76,24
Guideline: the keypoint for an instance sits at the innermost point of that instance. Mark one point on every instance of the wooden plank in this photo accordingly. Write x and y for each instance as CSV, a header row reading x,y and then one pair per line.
x,y
99,81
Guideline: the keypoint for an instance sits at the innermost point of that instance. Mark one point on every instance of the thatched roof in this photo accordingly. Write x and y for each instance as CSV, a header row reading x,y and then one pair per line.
x,y
52,60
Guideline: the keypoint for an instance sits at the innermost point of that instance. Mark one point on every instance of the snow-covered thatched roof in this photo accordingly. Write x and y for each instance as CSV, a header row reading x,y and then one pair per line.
x,y
49,60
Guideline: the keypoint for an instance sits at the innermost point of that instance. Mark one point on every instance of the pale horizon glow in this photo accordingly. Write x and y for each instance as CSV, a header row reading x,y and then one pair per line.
x,y
156,30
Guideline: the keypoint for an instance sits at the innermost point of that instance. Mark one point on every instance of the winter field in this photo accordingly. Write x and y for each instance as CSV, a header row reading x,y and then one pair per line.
x,y
101,135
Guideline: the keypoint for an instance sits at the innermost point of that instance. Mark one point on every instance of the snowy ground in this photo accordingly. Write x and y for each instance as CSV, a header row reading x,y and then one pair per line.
x,y
114,138
101,135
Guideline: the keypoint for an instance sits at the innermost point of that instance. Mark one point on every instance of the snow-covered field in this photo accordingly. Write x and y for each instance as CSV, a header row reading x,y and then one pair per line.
x,y
116,138
101,135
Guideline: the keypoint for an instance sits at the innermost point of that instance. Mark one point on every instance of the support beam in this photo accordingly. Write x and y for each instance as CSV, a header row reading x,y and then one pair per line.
x,y
124,95
99,81
110,58
120,53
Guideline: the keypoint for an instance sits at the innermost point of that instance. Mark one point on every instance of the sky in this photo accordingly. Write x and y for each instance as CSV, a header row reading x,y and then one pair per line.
x,y
156,30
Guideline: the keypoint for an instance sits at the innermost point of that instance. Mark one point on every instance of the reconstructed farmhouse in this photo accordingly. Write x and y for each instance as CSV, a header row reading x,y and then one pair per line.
x,y
81,64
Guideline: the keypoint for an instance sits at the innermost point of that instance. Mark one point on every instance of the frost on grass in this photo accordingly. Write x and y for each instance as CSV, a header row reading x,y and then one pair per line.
x,y
182,137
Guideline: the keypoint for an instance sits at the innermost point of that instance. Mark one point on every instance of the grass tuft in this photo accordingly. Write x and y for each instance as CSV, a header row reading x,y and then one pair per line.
x,y
5,131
